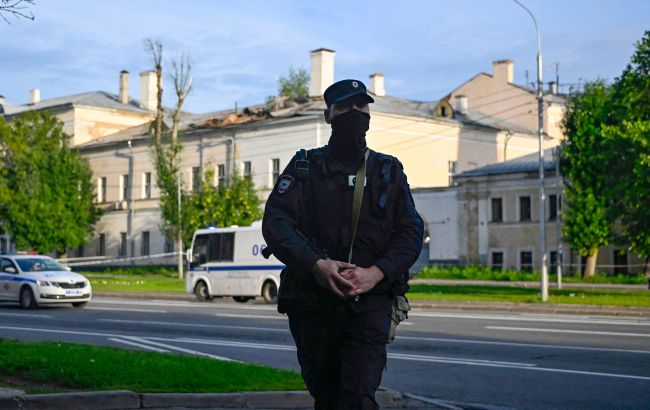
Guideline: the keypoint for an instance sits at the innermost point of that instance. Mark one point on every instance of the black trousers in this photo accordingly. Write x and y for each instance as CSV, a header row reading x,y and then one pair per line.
x,y
342,354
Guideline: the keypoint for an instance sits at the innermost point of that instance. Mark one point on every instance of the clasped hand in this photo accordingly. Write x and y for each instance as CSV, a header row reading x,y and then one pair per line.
x,y
345,279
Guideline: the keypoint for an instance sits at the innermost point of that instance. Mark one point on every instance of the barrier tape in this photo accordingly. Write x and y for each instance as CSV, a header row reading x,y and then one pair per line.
x,y
104,261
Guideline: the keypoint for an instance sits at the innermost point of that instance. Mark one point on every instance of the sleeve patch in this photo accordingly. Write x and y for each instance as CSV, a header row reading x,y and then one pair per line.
x,y
285,183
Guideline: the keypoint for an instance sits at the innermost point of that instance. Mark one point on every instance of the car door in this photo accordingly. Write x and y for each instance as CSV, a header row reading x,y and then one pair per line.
x,y
7,279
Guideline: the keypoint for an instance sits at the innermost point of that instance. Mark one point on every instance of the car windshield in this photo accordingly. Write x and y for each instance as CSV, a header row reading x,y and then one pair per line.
x,y
38,264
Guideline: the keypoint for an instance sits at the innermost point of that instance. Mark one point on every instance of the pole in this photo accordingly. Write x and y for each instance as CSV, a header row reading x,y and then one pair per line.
x,y
540,137
179,238
131,210
558,217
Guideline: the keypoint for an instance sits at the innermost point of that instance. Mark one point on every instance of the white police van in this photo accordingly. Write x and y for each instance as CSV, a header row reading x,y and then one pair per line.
x,y
229,262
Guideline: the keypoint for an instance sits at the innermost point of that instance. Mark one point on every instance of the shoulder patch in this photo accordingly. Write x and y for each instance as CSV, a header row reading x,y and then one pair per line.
x,y
285,183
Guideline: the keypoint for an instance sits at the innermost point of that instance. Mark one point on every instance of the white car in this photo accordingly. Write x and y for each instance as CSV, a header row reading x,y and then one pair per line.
x,y
33,279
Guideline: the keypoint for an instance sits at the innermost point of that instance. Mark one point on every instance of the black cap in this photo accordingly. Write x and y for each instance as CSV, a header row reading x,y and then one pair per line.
x,y
344,89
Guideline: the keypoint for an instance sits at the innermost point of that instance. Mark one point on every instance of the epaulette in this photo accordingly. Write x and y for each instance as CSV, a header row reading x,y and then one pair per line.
x,y
301,165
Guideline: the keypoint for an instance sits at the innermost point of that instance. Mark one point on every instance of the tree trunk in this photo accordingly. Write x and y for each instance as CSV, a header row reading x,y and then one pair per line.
x,y
179,246
646,268
590,267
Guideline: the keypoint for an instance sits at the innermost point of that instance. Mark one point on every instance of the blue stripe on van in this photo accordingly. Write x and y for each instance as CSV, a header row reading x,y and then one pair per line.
x,y
247,267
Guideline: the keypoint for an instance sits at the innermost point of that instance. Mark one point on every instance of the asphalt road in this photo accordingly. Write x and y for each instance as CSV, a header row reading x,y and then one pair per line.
x,y
516,360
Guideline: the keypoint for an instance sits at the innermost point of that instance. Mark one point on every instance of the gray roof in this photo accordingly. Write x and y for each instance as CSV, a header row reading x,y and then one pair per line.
x,y
100,99
525,164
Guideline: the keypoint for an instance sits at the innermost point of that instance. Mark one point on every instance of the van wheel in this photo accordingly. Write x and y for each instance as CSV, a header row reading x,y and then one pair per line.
x,y
270,292
27,299
201,291
242,299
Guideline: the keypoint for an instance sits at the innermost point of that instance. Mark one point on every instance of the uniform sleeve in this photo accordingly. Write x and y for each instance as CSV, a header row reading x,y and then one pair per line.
x,y
406,243
283,213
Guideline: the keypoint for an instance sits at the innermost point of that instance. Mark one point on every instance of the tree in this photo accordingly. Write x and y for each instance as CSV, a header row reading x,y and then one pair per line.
x,y
295,84
628,132
16,8
233,203
46,190
585,159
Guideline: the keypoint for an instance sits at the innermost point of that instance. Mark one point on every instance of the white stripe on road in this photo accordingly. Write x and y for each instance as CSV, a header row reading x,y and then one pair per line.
x,y
140,345
227,343
544,346
250,316
25,315
442,359
578,332
188,304
178,349
194,325
417,358
127,310
526,318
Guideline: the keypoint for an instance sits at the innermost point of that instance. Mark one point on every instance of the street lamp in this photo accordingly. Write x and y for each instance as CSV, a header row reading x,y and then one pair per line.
x,y
540,136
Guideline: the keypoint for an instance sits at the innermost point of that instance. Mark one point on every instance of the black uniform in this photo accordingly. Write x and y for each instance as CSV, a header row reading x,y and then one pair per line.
x,y
341,343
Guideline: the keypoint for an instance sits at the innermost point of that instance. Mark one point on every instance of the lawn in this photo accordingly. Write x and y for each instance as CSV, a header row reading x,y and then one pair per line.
x,y
135,283
640,298
46,367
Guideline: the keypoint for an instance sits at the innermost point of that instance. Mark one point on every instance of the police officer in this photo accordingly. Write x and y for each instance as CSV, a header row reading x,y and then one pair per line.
x,y
339,311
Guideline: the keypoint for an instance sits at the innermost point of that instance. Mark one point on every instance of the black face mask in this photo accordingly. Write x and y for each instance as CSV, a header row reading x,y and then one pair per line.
x,y
348,140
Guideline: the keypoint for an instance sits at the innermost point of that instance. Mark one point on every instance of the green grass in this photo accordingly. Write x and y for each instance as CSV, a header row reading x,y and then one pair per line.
x,y
135,283
45,367
640,298
479,272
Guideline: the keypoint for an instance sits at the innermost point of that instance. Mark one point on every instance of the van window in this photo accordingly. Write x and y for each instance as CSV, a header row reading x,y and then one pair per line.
x,y
222,247
200,249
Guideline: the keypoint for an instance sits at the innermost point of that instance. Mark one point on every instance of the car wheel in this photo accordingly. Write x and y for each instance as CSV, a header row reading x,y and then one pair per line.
x,y
201,291
270,292
27,299
79,304
242,299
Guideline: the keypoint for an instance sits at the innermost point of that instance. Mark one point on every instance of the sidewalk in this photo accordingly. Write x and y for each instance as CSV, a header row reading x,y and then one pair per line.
x,y
124,399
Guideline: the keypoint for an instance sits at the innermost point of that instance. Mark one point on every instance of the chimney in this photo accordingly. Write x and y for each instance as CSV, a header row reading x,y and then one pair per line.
x,y
377,84
34,96
461,104
148,90
322,71
502,71
552,87
124,87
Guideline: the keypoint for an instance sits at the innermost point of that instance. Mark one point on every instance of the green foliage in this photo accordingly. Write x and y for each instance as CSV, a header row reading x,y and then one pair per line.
x,y
233,203
46,190
85,367
295,84
584,151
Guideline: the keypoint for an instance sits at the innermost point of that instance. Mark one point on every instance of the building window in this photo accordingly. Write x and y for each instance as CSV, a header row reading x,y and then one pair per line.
x,y
524,208
497,260
122,249
3,245
620,261
248,171
169,244
81,250
146,185
275,170
443,111
101,245
553,262
497,209
196,178
145,243
221,175
451,168
553,207
101,190
526,261
124,187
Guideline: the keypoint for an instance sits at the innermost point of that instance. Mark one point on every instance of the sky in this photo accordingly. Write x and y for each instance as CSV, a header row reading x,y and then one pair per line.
x,y
239,49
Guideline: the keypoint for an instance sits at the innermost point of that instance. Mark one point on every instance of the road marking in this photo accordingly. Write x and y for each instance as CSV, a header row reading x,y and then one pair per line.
x,y
546,346
264,346
250,316
179,349
140,345
186,304
578,332
194,325
127,310
25,315
522,318
442,359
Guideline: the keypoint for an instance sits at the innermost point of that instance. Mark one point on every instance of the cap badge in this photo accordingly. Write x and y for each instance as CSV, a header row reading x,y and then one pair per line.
x,y
355,84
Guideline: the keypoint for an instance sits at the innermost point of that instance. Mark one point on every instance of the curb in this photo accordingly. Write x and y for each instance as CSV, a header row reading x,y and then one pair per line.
x,y
124,399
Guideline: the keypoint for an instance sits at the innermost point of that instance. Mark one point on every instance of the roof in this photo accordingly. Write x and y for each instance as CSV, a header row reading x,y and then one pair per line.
x,y
525,164
100,99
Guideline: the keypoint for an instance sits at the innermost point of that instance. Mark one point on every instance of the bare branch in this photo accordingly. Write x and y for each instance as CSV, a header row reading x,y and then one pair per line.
x,y
182,77
15,7
155,49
